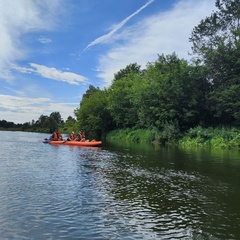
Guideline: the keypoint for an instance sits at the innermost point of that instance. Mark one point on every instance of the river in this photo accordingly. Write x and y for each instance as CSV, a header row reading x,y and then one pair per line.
x,y
116,191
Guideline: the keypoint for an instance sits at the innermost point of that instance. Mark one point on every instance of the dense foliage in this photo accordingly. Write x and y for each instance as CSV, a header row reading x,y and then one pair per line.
x,y
93,116
169,96
216,42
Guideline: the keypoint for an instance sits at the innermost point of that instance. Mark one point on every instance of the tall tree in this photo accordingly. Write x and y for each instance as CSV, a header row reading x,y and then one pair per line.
x,y
131,68
216,42
173,92
93,115
90,91
56,116
121,100
42,120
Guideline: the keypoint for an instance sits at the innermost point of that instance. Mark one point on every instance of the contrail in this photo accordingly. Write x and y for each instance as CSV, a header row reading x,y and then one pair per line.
x,y
117,27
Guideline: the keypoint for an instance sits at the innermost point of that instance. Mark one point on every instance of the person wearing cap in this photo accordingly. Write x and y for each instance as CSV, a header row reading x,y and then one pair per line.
x,y
72,137
81,136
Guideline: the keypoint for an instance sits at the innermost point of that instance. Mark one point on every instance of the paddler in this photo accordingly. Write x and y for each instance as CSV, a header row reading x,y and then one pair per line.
x,y
56,136
72,137
81,136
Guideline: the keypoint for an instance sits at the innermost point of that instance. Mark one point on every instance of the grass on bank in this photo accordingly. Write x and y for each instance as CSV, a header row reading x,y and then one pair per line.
x,y
222,137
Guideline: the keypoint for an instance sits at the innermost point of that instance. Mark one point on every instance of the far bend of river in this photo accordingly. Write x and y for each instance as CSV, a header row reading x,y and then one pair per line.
x,y
116,191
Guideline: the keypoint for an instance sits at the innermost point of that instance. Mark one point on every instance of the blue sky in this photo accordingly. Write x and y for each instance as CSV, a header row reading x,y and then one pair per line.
x,y
52,50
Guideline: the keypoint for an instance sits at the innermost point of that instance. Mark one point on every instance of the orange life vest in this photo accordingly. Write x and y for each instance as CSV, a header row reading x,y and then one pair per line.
x,y
72,136
56,135
81,135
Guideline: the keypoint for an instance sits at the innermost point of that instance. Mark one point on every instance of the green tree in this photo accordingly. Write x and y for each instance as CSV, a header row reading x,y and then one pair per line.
x,y
90,91
121,102
225,105
42,121
57,117
70,125
51,124
93,115
171,93
6,124
131,68
216,42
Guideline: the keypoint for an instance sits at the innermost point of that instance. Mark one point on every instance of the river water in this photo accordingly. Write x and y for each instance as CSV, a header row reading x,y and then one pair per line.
x,y
116,191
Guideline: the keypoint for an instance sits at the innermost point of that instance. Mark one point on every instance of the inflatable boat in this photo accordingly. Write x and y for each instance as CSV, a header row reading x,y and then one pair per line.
x,y
92,143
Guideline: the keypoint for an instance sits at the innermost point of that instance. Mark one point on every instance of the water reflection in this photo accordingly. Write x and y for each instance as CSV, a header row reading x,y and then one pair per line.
x,y
116,192
181,190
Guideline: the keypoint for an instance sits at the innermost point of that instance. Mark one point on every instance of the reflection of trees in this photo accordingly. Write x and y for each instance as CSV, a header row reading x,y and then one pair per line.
x,y
170,190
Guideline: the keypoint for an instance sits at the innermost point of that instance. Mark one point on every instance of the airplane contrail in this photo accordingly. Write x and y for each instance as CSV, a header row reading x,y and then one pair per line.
x,y
117,27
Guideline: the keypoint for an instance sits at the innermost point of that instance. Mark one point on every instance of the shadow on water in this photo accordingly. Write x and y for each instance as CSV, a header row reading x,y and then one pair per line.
x,y
213,162
195,189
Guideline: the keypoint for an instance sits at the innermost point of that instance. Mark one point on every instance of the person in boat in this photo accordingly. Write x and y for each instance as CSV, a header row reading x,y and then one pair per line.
x,y
56,136
72,137
81,136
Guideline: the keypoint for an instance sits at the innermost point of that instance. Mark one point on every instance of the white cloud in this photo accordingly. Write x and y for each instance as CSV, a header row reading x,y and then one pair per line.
x,y
166,32
18,17
45,40
117,27
17,92
31,108
53,73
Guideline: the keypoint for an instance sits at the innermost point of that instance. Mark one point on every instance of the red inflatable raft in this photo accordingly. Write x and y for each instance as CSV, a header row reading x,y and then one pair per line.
x,y
92,143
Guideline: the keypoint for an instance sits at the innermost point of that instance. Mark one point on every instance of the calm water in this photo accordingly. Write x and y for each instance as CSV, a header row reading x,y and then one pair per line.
x,y
116,191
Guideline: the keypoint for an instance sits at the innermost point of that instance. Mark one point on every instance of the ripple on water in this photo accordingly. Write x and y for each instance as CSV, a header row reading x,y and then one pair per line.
x,y
53,192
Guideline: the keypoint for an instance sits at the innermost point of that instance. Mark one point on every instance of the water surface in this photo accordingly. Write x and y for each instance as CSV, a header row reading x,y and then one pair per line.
x,y
116,191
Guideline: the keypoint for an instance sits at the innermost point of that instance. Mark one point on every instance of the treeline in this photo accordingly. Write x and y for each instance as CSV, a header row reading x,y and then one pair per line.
x,y
44,123
172,96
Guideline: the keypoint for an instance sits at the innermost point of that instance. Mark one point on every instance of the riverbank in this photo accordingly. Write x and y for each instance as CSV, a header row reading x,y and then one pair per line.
x,y
222,137
22,129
